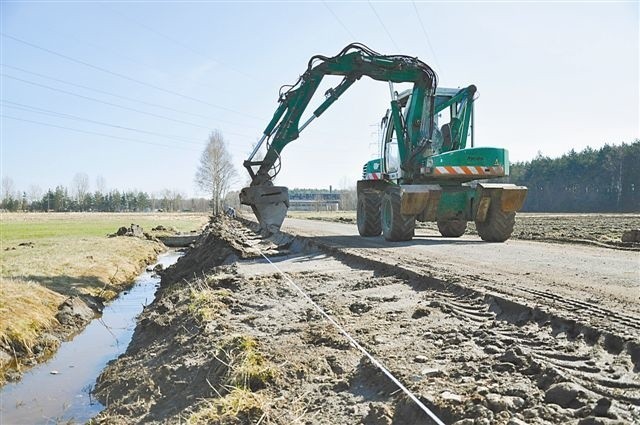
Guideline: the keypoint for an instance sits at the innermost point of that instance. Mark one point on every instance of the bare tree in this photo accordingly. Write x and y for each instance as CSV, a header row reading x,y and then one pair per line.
x,y
35,193
80,186
101,184
8,188
216,171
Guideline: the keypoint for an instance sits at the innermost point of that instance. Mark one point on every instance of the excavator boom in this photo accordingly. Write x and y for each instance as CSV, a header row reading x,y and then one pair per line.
x,y
270,203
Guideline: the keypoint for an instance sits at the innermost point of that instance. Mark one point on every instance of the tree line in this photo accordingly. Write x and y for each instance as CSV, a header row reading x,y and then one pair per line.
x,y
61,199
592,180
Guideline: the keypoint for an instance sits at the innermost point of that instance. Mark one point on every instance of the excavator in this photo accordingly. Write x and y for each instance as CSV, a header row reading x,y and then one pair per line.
x,y
425,172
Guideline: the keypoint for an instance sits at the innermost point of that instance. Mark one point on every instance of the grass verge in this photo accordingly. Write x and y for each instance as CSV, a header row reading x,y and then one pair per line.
x,y
31,308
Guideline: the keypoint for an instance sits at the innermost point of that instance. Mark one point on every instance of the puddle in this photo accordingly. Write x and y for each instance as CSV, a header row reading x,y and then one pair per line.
x,y
58,391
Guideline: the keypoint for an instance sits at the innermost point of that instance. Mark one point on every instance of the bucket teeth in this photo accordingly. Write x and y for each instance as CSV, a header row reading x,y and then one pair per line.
x,y
269,204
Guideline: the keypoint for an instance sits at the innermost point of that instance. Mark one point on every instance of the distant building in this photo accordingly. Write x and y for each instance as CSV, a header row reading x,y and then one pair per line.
x,y
310,201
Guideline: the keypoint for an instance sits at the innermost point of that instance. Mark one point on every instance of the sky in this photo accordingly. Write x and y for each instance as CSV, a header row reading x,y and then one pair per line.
x,y
128,92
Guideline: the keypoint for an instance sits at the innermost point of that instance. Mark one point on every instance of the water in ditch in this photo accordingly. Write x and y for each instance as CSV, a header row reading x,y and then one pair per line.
x,y
59,391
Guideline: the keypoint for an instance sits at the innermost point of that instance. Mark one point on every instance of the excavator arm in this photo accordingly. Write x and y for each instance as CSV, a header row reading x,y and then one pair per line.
x,y
270,203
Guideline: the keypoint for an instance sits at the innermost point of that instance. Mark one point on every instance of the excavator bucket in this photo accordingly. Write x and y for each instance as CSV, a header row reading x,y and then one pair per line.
x,y
269,204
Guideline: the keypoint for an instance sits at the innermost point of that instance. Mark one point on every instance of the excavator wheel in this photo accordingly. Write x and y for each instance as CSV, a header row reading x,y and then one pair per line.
x,y
452,228
368,214
396,226
498,225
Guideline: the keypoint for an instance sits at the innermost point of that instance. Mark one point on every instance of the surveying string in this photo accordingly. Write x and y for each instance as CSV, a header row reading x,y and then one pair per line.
x,y
357,345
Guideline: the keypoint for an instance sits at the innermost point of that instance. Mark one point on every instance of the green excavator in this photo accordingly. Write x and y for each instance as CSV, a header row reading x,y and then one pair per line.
x,y
425,172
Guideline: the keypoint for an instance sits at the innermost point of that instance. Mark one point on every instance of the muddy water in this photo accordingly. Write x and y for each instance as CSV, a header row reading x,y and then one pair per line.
x,y
59,390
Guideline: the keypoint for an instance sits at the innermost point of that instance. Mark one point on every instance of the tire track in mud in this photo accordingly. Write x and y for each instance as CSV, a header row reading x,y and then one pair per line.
x,y
581,307
615,322
607,367
505,341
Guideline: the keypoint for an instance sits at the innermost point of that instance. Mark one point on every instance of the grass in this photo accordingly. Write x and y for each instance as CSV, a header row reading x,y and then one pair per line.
x,y
240,403
206,298
248,367
47,257
206,303
32,309
34,226
248,372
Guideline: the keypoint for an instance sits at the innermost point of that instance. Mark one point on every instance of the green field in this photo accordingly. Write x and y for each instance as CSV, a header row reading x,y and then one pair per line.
x,y
22,227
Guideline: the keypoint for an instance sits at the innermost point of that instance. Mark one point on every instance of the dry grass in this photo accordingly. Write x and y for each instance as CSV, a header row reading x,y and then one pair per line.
x,y
242,404
207,303
26,308
248,372
74,266
248,367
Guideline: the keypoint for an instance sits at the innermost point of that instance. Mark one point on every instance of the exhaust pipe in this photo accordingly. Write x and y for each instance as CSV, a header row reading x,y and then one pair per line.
x,y
269,204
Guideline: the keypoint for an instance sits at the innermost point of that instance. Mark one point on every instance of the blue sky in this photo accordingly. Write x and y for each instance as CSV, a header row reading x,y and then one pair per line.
x,y
551,77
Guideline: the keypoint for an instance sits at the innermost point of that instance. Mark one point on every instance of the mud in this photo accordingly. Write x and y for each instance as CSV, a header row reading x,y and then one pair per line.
x,y
472,356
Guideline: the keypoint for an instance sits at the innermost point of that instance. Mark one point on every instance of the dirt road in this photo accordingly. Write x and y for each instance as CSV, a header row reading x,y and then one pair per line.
x,y
229,340
587,276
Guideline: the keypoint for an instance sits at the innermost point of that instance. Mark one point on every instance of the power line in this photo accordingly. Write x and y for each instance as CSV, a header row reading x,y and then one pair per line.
x,y
29,108
424,32
119,96
384,26
115,105
107,71
353,37
179,43
93,133
118,53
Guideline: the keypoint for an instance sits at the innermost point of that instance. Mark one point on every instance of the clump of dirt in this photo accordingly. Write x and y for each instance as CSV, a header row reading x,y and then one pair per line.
x,y
28,244
184,361
74,312
133,231
161,228
210,250
631,236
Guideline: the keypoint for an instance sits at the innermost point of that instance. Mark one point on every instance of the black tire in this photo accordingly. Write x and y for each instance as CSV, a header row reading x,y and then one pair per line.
x,y
498,225
368,214
395,226
452,228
